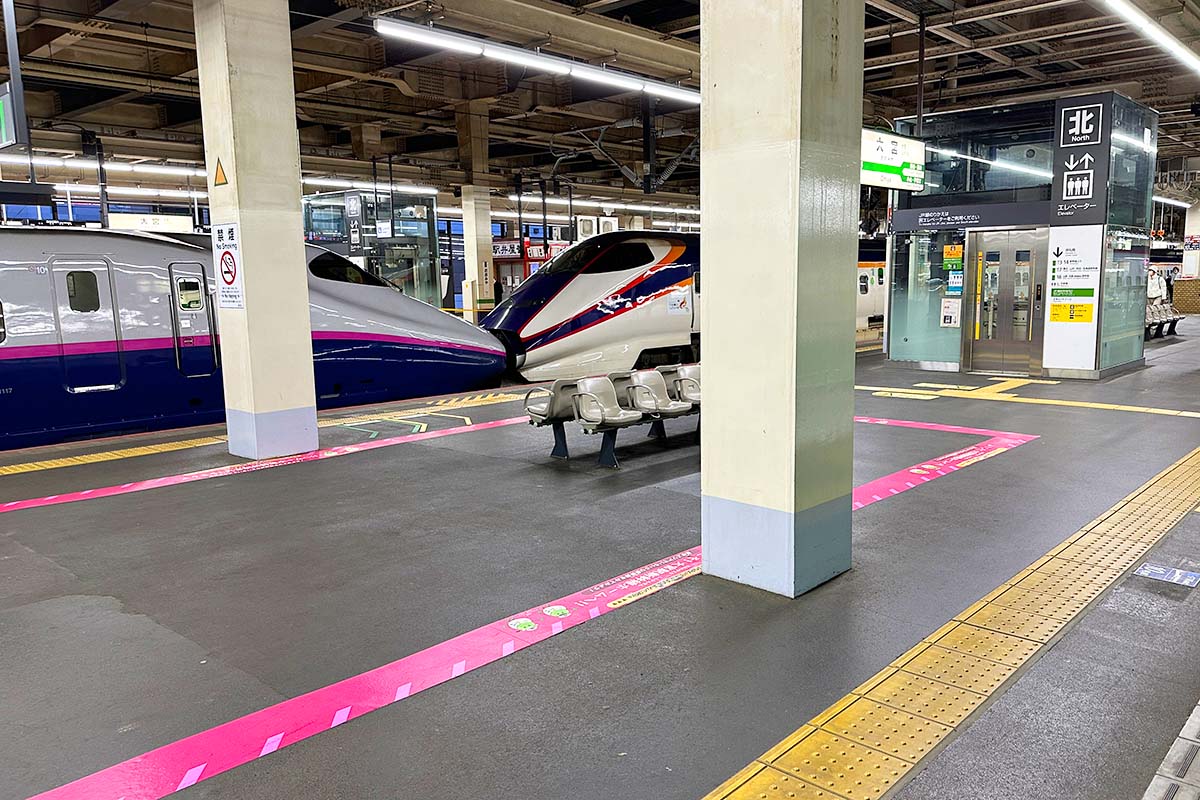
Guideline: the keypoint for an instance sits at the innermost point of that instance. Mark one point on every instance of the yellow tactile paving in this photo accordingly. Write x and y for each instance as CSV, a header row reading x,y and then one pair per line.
x,y
1015,622
109,455
922,697
867,743
1012,651
840,766
957,669
770,784
888,730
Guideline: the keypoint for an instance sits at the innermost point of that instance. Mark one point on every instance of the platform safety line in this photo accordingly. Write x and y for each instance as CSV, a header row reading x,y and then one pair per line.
x,y
183,763
109,455
249,466
990,394
876,738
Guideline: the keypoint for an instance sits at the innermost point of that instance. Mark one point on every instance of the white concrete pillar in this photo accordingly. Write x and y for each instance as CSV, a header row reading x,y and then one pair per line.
x,y
1191,227
782,89
248,102
479,283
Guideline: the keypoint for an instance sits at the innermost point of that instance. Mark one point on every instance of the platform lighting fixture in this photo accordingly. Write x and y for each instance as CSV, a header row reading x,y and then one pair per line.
x,y
552,64
128,191
342,183
1155,33
1171,202
526,59
1041,173
559,201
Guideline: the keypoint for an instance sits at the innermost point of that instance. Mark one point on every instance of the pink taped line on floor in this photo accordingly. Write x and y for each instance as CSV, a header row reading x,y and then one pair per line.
x,y
249,466
185,762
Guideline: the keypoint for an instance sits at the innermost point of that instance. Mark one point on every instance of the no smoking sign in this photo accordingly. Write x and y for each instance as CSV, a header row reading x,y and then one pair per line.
x,y
227,249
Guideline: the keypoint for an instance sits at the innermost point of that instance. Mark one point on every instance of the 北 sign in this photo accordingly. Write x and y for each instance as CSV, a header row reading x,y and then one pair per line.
x,y
227,255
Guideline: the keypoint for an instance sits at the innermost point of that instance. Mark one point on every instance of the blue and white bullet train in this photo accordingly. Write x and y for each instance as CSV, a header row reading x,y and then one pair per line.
x,y
608,303
105,332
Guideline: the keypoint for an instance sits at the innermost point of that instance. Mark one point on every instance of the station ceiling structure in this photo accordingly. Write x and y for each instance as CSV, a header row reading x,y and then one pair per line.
x,y
126,70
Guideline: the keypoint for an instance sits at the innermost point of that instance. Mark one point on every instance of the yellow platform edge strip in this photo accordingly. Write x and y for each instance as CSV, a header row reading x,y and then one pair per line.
x,y
399,415
872,741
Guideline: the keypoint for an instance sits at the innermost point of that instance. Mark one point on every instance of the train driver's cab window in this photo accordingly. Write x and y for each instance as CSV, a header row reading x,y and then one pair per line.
x,y
620,257
83,293
332,267
3,330
191,295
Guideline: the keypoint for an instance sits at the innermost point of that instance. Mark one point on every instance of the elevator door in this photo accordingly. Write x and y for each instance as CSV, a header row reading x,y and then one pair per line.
x,y
1005,271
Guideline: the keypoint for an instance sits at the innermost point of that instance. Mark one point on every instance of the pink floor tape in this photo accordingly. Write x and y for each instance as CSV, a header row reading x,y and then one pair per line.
x,y
183,763
249,466
187,761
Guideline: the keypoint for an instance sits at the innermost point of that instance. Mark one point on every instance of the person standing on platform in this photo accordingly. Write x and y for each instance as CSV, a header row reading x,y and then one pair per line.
x,y
498,290
1171,276
1156,288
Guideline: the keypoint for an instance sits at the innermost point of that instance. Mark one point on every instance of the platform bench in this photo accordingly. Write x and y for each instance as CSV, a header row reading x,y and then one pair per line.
x,y
1159,317
606,404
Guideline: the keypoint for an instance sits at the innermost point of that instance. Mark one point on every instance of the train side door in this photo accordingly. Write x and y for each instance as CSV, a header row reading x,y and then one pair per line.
x,y
86,312
193,320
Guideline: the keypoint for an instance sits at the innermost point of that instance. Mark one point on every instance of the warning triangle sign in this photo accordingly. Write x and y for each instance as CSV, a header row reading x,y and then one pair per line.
x,y
219,178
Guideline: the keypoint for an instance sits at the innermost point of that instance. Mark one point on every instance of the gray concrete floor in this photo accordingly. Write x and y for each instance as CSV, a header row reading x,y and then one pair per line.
x,y
129,622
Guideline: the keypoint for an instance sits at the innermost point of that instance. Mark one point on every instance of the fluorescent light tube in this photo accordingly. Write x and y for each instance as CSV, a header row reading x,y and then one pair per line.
x,y
426,36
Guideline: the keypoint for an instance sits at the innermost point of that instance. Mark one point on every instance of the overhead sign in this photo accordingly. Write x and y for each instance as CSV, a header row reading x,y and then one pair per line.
x,y
227,252
892,162
983,215
172,223
1076,256
1081,156
506,249
354,224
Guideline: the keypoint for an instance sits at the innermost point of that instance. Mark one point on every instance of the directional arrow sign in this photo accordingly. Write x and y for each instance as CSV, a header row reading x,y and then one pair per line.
x,y
1058,252
1086,161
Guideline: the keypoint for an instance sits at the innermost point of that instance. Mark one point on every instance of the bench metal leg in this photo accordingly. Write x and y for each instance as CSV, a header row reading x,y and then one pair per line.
x,y
1158,332
1148,337
1171,330
560,442
608,450
657,430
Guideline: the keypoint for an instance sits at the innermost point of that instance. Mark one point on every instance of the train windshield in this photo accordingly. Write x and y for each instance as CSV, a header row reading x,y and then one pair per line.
x,y
596,257
333,267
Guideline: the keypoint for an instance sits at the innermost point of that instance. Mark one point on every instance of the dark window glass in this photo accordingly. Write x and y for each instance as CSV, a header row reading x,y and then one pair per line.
x,y
191,296
622,256
83,293
332,267
3,331
864,284
601,256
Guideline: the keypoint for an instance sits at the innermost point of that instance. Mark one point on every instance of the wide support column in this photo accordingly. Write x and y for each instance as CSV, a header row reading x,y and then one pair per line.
x,y
1191,227
471,122
781,120
479,283
248,102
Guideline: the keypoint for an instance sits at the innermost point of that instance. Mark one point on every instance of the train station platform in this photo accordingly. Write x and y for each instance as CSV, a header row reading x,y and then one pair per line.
x,y
432,607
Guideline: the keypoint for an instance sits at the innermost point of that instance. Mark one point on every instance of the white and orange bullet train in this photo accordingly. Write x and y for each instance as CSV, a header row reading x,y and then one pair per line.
x,y
622,300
